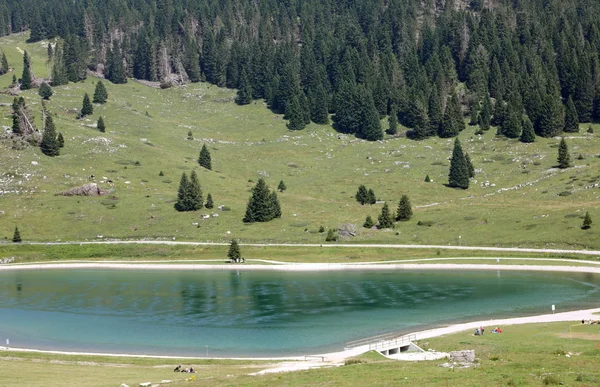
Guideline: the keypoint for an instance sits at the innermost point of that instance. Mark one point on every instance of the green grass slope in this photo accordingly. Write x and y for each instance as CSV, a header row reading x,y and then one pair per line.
x,y
517,198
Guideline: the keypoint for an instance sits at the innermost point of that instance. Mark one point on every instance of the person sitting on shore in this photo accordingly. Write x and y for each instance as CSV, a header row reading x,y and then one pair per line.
x,y
177,369
192,370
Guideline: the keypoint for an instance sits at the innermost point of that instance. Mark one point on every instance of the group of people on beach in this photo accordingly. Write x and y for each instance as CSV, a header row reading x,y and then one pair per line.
x,y
479,331
187,370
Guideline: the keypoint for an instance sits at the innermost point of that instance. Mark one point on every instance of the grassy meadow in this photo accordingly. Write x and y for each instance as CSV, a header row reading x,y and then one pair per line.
x,y
523,355
517,199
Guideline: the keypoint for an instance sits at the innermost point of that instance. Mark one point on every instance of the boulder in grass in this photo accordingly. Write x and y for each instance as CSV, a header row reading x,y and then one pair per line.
x,y
89,189
123,385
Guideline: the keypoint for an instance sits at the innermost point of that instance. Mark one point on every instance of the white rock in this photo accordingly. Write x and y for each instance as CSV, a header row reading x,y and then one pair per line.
x,y
166,381
34,163
147,384
123,385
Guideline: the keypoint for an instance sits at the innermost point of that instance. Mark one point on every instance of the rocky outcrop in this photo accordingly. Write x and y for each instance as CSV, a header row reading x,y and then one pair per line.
x,y
90,189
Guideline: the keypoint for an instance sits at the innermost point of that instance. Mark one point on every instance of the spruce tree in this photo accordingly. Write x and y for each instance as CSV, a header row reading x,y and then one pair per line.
x,y
436,115
319,106
564,160
571,118
551,121
281,187
209,202
371,198
45,91
469,165
511,126
100,93
361,194
587,221
244,93
195,193
100,125
370,127
263,205
485,115
427,179
368,222
26,77
16,235
528,133
49,144
4,64
204,158
59,68
293,113
87,108
331,237
404,209
60,140
234,251
459,170
385,218
393,121
183,200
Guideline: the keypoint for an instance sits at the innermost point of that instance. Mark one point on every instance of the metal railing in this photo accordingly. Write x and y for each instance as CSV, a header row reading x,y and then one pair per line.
x,y
382,341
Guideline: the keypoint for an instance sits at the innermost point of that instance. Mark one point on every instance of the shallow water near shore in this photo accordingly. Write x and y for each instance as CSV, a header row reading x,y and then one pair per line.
x,y
249,313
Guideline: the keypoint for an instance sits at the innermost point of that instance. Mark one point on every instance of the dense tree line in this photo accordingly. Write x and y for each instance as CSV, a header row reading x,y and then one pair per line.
x,y
535,60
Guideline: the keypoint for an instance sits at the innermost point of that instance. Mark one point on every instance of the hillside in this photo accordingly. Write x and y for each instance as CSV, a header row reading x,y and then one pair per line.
x,y
517,197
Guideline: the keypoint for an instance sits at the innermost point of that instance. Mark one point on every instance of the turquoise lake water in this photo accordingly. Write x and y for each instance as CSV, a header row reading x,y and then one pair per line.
x,y
259,313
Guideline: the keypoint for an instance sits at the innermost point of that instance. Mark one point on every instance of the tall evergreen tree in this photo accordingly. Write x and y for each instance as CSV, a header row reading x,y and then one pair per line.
x,y
244,94
204,158
183,200
234,253
470,166
60,140
4,64
59,68
16,235
571,118
564,160
209,202
393,121
319,107
26,78
49,144
45,91
459,170
587,221
368,222
100,93
551,122
511,126
386,220
404,209
361,194
452,122
262,206
293,112
485,115
100,125
528,133
436,115
195,193
371,198
87,108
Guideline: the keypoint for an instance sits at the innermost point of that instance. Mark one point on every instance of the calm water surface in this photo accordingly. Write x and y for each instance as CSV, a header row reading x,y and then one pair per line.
x,y
229,313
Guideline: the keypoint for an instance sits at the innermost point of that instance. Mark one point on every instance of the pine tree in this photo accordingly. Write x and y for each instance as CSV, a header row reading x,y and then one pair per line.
x,y
195,193
551,121
371,198
469,165
263,205
319,107
404,209
331,237
87,108
49,144
370,128
459,171
368,222
100,93
26,77
293,113
60,140
385,218
393,121
204,158
511,126
436,115
59,68
485,115
528,133
564,160
16,235
587,221
100,125
571,118
244,94
452,122
209,202
234,254
427,179
45,91
183,201
4,64
361,194
281,187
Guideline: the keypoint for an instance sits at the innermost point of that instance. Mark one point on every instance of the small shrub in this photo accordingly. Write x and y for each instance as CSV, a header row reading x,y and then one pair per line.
x,y
427,223
494,357
225,208
331,236
559,352
353,360
165,85
137,163
321,229
590,130
427,179
565,193
580,157
579,377
550,380
161,173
